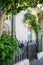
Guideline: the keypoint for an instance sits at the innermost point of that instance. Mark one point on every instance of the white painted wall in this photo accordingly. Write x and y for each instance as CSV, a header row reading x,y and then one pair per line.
x,y
22,33
21,30
39,37
40,31
9,23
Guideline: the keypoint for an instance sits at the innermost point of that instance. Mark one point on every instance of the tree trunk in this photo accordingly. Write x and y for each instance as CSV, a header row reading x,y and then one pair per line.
x,y
2,19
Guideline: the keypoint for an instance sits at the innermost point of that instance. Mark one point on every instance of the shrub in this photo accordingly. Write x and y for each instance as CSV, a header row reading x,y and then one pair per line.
x,y
8,49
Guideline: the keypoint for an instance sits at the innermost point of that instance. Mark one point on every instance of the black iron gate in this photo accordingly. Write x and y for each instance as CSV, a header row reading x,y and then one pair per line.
x,y
27,52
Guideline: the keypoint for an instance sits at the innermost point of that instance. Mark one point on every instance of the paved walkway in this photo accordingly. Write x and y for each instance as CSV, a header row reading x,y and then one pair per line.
x,y
33,61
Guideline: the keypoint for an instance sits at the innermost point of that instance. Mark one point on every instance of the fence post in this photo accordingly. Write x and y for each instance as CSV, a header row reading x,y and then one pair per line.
x,y
22,51
27,50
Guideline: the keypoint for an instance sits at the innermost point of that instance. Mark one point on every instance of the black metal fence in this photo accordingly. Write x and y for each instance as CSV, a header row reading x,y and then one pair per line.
x,y
27,51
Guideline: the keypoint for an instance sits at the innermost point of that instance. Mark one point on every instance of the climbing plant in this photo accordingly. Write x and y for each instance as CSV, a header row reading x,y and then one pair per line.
x,y
14,6
34,21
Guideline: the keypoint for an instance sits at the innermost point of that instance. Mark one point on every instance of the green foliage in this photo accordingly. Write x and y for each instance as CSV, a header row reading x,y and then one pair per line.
x,y
4,3
8,49
24,4
32,20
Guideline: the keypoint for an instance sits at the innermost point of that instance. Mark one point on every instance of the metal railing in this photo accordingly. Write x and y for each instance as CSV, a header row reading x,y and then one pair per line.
x,y
28,51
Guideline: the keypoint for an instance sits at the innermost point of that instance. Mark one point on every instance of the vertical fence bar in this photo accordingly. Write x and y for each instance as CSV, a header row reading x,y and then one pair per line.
x,y
20,57
27,50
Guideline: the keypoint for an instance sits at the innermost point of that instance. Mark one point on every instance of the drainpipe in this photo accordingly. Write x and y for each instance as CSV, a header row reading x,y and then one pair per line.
x,y
12,26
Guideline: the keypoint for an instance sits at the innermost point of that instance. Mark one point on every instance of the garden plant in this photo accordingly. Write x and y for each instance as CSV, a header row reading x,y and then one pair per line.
x,y
9,46
8,49
34,21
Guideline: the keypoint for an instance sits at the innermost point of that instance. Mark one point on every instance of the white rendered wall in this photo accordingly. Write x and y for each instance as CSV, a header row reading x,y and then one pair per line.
x,y
22,33
40,34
